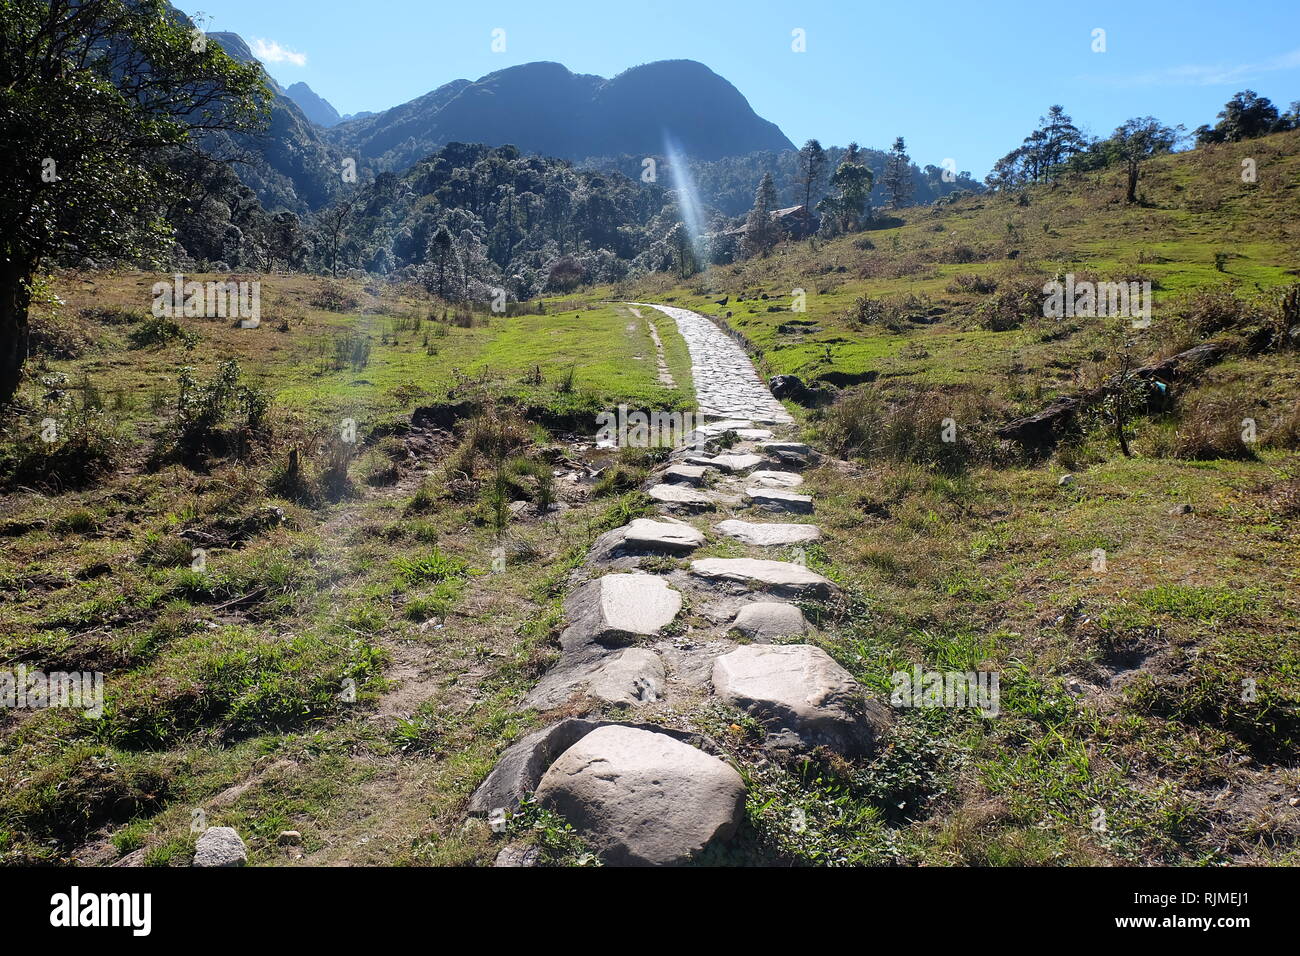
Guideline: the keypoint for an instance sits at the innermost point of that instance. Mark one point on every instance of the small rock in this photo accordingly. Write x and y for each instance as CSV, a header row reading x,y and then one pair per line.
x,y
1065,480
289,838
220,846
517,854
1183,509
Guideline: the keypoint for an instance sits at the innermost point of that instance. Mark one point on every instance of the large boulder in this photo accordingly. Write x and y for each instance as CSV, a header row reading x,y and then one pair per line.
x,y
641,798
803,697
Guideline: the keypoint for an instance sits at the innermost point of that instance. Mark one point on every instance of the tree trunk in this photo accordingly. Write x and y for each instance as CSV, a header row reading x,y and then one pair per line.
x,y
15,296
1132,182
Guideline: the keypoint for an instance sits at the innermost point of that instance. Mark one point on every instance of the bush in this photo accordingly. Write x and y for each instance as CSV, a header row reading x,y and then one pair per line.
x,y
969,282
1011,307
942,431
159,330
86,445
1211,428
333,297
220,418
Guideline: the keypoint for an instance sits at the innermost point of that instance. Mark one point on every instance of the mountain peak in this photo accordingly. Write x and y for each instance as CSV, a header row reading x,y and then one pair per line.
x,y
543,107
315,107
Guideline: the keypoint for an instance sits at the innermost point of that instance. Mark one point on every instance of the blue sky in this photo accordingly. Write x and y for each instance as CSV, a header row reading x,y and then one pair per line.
x,y
962,80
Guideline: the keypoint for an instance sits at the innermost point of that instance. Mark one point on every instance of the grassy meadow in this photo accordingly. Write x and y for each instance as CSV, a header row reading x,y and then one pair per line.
x,y
347,656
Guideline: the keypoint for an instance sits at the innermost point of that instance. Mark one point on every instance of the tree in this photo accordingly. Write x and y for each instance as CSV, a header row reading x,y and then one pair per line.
x,y
897,177
1044,152
679,240
334,220
854,182
439,255
846,209
1245,116
812,167
1057,139
1138,140
95,96
761,231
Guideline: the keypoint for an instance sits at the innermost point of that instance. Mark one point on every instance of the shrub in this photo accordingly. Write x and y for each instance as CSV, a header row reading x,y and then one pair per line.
x,y
1010,307
86,445
219,418
942,431
159,330
1210,428
333,297
969,282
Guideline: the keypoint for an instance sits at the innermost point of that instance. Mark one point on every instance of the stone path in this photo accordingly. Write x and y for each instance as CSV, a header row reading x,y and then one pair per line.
x,y
654,633
725,381
661,364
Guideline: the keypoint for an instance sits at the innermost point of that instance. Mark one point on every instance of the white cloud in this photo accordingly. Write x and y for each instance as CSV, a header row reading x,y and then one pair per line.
x,y
268,51
1201,75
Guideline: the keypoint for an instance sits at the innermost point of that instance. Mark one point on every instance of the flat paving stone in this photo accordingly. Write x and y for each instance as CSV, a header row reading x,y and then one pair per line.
x,y
778,499
617,608
679,495
685,474
770,620
778,576
645,534
769,534
732,464
803,696
640,798
774,479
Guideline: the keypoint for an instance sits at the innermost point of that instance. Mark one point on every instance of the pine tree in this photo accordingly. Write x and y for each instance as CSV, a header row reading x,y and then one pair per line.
x,y
812,166
898,174
761,232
